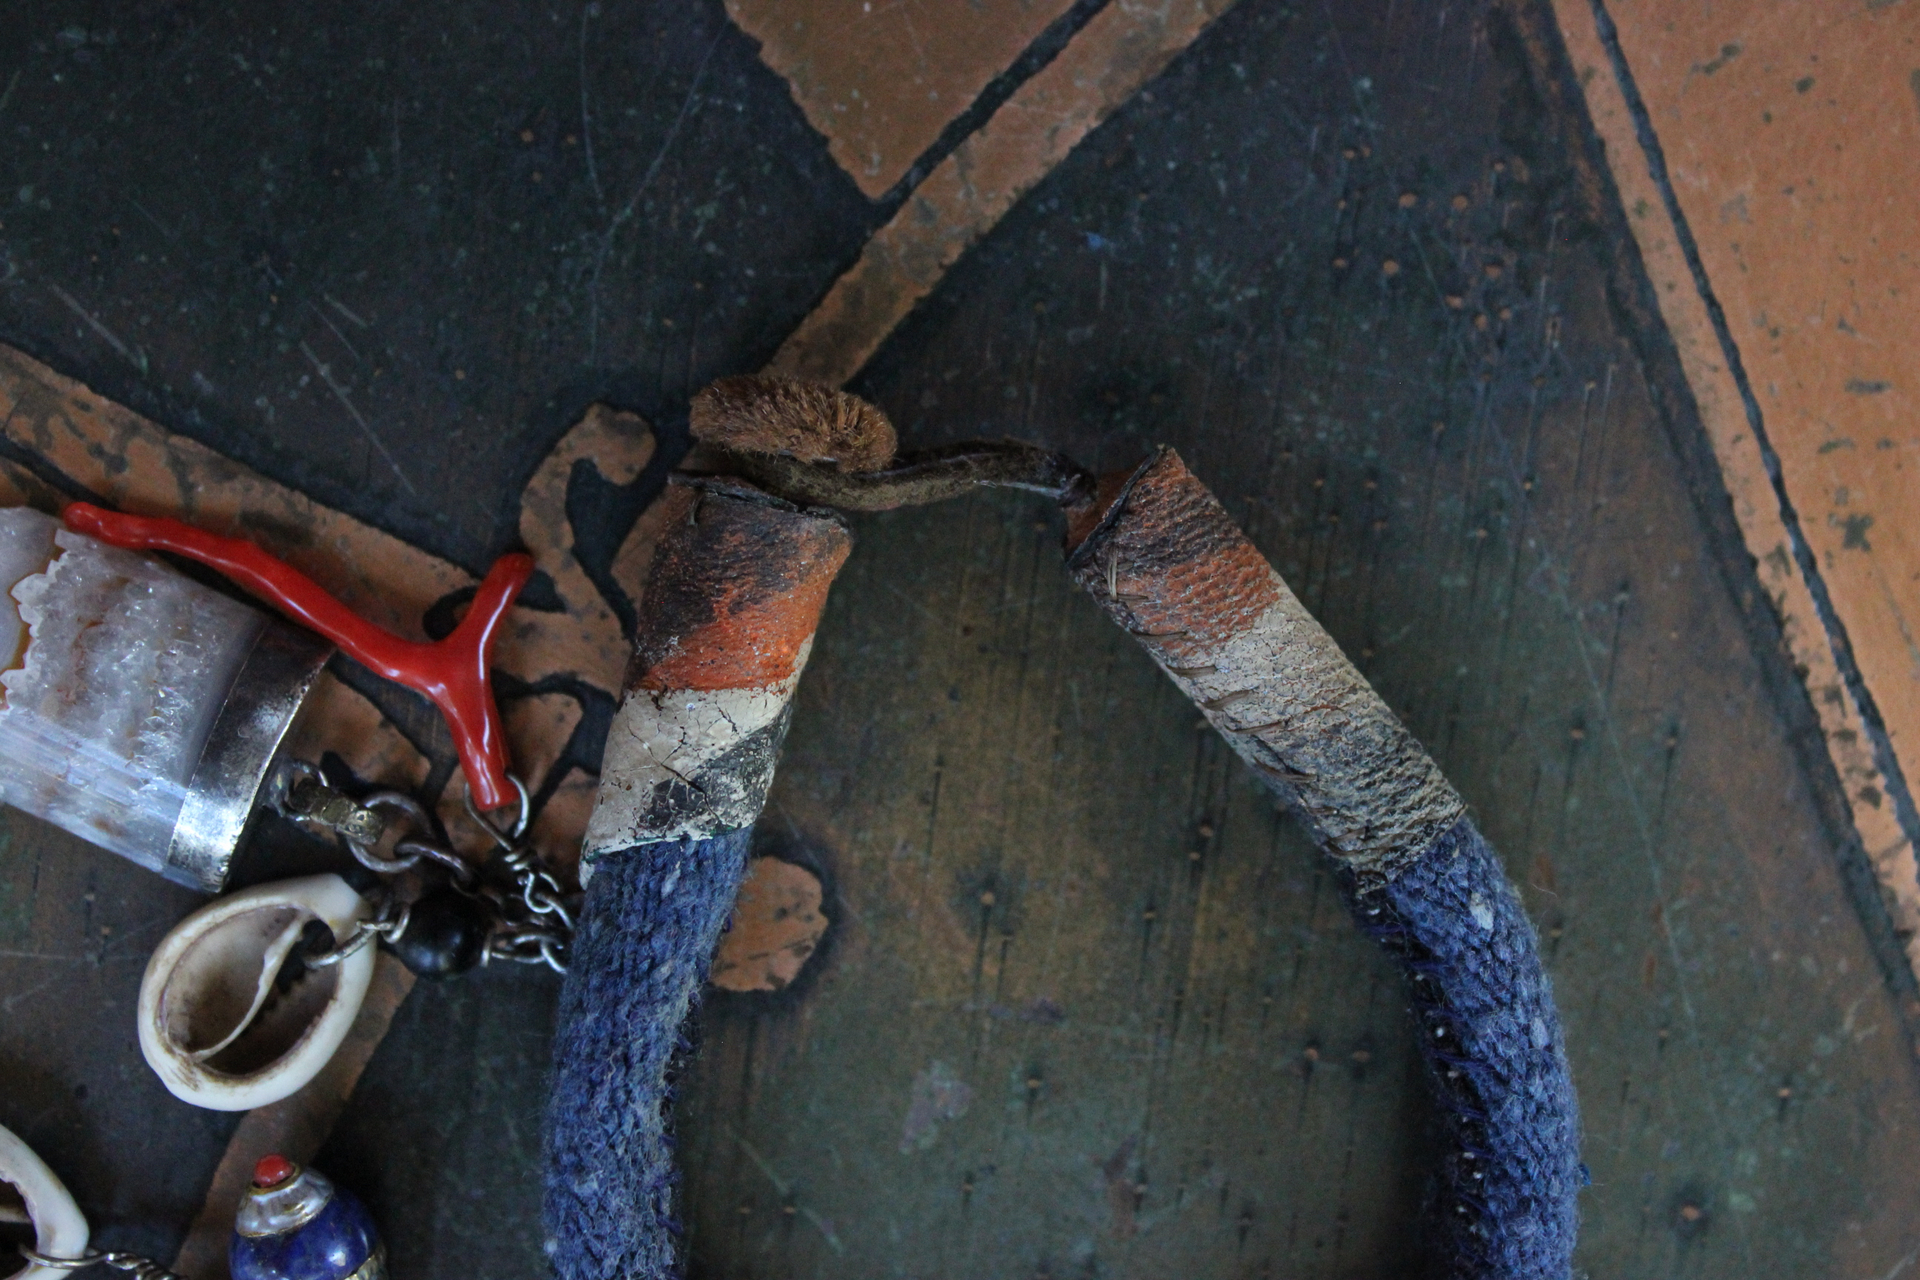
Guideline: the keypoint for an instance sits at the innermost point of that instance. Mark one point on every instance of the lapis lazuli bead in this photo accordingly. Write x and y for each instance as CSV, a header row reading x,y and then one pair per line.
x,y
294,1224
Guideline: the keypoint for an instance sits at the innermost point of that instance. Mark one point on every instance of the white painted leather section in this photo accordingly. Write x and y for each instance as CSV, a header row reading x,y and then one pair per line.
x,y
673,737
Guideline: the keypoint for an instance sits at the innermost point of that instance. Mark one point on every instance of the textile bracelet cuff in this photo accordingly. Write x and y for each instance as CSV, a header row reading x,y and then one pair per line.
x,y
729,616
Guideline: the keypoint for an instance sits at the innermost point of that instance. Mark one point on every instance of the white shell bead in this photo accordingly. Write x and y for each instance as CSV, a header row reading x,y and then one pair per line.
x,y
212,1025
59,1231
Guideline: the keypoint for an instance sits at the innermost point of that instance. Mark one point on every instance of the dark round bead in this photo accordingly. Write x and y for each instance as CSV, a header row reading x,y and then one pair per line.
x,y
446,934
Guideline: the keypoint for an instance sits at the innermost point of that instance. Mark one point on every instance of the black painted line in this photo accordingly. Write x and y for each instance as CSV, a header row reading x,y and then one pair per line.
x,y
1889,765
44,470
1032,60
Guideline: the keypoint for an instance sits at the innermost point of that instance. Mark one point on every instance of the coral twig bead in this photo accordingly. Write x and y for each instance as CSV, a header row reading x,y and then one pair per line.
x,y
452,672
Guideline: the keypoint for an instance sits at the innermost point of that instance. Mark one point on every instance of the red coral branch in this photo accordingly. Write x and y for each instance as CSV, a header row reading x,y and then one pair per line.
x,y
452,672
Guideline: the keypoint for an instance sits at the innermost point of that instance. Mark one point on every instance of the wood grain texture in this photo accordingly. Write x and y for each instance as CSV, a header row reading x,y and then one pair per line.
x,y
1120,49
1791,138
1045,1038
388,257
881,82
1718,392
1396,354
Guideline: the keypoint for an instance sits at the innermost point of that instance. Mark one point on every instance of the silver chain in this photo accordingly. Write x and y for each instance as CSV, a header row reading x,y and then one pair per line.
x,y
142,1268
389,921
532,921
536,925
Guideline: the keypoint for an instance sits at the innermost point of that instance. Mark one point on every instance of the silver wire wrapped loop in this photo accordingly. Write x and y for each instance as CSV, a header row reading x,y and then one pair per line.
x,y
141,1268
532,917
404,859
505,837
389,922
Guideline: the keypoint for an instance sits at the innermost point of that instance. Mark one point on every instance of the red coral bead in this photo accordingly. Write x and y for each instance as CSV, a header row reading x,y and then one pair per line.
x,y
273,1170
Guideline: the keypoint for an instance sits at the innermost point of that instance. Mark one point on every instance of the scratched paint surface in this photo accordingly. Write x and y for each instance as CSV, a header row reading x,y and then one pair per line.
x,y
882,81
1045,1037
1723,415
389,254
1118,51
1806,230
1384,336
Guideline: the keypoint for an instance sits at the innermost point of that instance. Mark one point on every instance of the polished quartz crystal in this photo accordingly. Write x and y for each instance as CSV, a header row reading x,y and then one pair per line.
x,y
115,666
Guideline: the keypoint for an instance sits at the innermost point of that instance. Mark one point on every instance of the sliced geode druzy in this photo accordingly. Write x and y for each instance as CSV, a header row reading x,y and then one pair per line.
x,y
113,668
294,1224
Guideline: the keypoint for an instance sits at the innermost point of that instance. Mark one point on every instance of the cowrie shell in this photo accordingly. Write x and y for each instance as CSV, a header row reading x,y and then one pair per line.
x,y
215,1025
58,1229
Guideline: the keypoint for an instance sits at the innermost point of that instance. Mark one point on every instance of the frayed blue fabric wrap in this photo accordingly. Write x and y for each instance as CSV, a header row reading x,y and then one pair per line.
x,y
1492,1042
1483,1005
652,917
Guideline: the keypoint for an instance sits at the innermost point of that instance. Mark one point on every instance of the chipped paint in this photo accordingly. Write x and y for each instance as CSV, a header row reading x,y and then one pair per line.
x,y
82,443
777,925
968,193
1787,375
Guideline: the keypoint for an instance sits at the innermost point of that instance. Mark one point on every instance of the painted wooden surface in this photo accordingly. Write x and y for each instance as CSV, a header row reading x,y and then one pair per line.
x,y
1791,137
882,83
1460,461
1089,1006
1777,140
1859,757
1117,52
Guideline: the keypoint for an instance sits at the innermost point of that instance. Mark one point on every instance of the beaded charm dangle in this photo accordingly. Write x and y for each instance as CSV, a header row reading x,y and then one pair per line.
x,y
294,1224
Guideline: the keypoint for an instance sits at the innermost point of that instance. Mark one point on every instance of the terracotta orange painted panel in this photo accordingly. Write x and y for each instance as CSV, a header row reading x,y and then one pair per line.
x,y
1792,134
882,78
1756,506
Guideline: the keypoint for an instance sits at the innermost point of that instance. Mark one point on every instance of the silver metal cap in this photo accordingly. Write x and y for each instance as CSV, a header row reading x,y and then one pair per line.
x,y
275,1210
237,761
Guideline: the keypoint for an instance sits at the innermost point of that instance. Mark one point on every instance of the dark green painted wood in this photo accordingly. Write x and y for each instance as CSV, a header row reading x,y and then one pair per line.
x,y
477,218
1485,504
76,926
1054,895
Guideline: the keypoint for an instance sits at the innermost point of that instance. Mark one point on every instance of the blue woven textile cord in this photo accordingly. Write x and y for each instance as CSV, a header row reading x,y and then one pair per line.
x,y
652,918
1492,1041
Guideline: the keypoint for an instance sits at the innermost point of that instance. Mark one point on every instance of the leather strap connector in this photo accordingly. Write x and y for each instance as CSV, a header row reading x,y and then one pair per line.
x,y
1163,558
734,596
